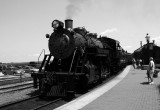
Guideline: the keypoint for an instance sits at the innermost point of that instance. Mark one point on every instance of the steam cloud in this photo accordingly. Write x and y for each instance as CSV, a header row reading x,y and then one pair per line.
x,y
109,31
74,8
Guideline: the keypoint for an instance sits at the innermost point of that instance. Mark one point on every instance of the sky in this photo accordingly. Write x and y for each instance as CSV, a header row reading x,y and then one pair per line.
x,y
24,23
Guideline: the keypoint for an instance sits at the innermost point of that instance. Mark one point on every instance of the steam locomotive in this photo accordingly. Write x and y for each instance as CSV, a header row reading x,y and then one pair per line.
x,y
77,59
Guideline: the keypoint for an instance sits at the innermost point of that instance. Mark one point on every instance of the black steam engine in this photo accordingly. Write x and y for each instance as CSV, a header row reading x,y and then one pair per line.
x,y
77,59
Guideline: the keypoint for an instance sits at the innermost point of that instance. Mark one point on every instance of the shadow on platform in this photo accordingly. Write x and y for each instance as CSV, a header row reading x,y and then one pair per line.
x,y
144,83
158,88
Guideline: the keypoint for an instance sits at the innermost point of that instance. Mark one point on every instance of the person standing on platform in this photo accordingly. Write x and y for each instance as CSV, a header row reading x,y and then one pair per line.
x,y
134,63
151,69
140,60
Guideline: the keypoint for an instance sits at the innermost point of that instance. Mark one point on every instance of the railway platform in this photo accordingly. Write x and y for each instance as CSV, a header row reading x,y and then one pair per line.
x,y
128,91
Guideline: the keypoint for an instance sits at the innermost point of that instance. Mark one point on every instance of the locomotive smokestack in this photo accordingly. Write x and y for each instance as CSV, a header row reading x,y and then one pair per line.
x,y
68,24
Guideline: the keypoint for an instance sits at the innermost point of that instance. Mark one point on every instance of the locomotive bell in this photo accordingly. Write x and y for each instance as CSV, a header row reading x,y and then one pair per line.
x,y
68,24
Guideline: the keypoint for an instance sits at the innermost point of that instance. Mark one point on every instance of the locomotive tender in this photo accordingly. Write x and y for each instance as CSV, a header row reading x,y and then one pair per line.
x,y
77,59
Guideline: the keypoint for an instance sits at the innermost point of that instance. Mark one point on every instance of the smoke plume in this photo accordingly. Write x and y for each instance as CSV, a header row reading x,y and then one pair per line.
x,y
74,7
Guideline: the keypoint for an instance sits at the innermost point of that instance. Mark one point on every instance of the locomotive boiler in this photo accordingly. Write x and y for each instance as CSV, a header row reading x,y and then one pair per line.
x,y
63,41
77,59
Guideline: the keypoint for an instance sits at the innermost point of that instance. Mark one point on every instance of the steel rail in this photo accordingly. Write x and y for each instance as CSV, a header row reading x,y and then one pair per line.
x,y
14,86
16,89
39,107
16,102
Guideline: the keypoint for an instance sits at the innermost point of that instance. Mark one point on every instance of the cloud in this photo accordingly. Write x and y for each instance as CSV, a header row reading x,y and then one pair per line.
x,y
157,39
109,31
34,55
127,47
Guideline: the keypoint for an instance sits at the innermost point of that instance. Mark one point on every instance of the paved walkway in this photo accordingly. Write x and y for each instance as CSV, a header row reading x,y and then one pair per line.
x,y
131,93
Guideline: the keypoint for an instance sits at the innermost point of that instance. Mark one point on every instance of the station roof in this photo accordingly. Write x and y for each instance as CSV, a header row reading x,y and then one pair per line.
x,y
145,45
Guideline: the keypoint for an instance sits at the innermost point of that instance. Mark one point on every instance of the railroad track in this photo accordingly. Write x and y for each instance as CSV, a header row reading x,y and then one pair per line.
x,y
8,78
11,78
7,89
32,103
36,103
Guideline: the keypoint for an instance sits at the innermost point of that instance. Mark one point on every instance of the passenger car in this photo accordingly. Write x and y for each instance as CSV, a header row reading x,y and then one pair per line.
x,y
29,69
12,71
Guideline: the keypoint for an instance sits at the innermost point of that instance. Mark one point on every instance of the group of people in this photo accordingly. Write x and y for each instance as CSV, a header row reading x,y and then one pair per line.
x,y
137,63
150,69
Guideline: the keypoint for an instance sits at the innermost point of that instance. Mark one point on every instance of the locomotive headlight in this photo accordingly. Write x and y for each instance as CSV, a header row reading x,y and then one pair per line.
x,y
55,24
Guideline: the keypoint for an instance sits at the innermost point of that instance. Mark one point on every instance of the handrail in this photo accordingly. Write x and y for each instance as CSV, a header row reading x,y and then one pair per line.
x,y
41,54
72,60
